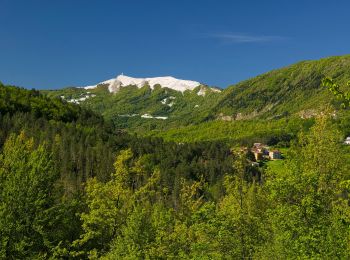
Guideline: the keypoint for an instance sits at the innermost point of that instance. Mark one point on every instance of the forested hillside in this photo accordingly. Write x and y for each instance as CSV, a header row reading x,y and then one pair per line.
x,y
61,146
271,107
291,93
156,130
293,90
144,109
75,185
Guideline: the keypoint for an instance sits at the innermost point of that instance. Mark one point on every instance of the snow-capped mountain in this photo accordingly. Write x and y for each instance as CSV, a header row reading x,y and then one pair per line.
x,y
169,82
133,104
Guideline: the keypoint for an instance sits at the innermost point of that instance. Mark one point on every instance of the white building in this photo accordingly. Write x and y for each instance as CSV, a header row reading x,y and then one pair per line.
x,y
275,155
347,140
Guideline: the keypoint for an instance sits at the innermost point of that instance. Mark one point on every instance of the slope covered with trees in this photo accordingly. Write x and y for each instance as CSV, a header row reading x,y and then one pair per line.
x,y
300,212
288,93
73,186
293,90
126,107
44,151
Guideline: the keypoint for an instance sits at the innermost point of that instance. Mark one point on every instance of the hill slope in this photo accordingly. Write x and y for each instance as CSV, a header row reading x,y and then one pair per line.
x,y
271,107
145,106
293,91
18,100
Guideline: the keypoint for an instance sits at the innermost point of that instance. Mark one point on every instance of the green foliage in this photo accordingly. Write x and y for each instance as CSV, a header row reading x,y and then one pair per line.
x,y
301,211
126,106
286,91
305,199
242,213
247,132
74,187
278,96
111,204
26,199
14,100
336,90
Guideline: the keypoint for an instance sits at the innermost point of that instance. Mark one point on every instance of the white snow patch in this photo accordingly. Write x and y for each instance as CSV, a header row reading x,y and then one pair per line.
x,y
73,101
165,101
202,92
146,116
156,117
216,90
169,82
107,82
80,99
83,98
129,115
161,117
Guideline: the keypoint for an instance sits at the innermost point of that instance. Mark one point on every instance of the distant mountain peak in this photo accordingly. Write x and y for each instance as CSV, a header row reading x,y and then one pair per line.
x,y
169,82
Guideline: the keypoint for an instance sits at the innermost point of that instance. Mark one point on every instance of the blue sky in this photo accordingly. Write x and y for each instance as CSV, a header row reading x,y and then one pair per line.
x,y
53,44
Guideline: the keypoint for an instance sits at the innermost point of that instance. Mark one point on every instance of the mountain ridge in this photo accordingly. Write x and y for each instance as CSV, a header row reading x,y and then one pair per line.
x,y
292,91
170,82
285,91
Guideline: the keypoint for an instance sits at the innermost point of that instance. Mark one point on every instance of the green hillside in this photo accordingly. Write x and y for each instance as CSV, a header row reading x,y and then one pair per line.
x,y
290,93
271,106
73,187
243,132
293,90
18,100
127,106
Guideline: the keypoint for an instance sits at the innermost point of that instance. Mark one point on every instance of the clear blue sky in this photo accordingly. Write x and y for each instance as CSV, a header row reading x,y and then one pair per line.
x,y
53,44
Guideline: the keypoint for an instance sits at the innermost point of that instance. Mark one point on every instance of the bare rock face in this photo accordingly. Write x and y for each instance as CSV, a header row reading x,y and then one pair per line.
x,y
223,117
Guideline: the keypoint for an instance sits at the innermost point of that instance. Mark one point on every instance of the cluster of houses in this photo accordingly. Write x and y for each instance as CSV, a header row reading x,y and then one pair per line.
x,y
262,152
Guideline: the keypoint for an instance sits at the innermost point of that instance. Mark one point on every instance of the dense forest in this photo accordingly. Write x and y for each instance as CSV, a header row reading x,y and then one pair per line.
x,y
73,187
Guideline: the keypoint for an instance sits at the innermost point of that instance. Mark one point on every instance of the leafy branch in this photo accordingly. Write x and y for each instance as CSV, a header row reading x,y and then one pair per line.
x,y
335,89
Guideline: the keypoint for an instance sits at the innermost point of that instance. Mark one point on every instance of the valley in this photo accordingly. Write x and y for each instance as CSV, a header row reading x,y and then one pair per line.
x,y
131,168
158,130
